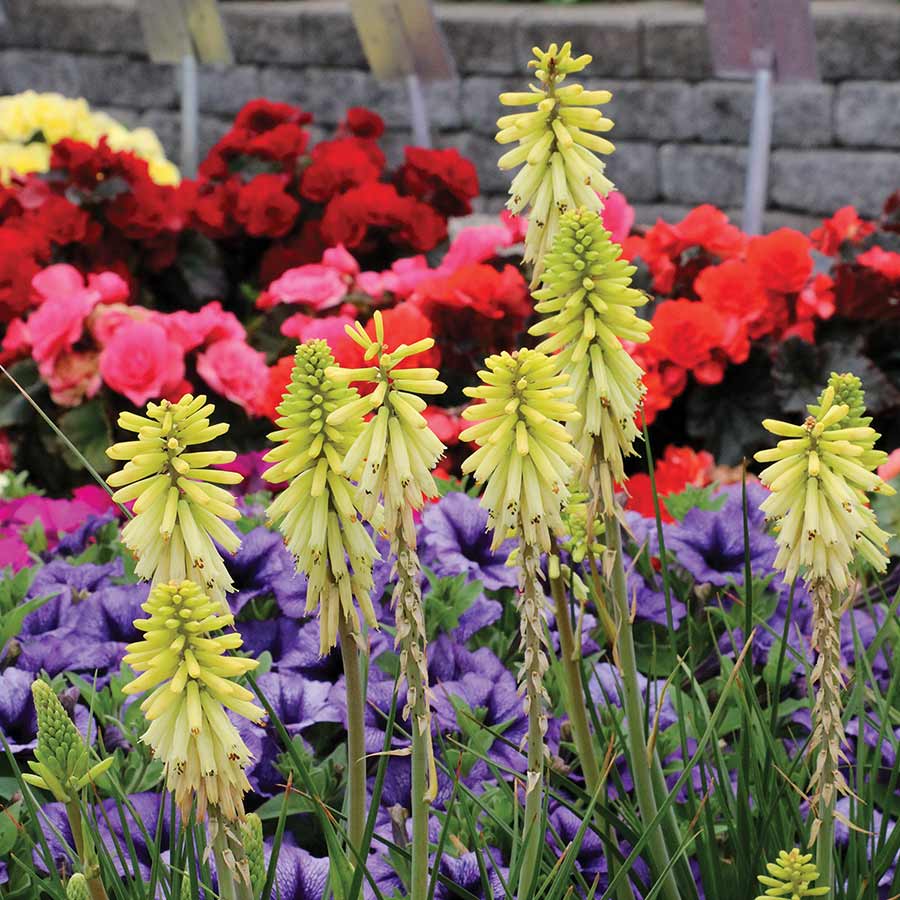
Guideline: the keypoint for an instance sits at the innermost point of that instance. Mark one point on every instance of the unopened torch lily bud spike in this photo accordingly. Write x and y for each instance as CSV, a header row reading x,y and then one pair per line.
x,y
559,137
792,877
180,508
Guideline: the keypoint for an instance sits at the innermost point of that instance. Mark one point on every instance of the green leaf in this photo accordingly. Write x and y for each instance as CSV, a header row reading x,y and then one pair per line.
x,y
87,428
693,497
446,600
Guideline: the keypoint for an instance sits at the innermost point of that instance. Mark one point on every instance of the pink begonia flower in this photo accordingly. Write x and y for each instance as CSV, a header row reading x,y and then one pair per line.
x,y
13,552
235,370
59,281
890,469
111,287
618,216
210,324
306,328
342,259
107,320
141,361
57,325
445,424
315,285
886,262
16,342
75,376
405,275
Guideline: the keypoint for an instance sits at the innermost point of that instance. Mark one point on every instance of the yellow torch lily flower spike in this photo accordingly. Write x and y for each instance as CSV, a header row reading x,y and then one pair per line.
x,y
525,456
558,145
792,877
182,661
819,476
179,508
588,308
318,513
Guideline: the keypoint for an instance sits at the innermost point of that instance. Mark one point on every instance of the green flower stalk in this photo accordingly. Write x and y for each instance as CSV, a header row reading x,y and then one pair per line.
x,y
320,520
588,309
62,766
819,477
183,663
179,508
557,144
397,451
791,877
525,458
317,513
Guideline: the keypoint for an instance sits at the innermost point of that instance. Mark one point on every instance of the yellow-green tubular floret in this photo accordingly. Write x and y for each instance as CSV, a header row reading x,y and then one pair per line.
x,y
179,508
588,309
819,478
792,877
396,448
318,513
557,144
182,660
525,452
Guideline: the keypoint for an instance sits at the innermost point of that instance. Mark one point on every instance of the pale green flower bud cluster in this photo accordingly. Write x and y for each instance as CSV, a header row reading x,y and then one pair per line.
x,y
183,662
318,512
252,839
77,888
588,308
791,877
62,759
819,478
557,144
179,508
525,452
396,448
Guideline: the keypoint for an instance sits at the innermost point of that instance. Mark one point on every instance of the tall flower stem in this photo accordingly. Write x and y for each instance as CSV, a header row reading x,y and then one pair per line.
x,y
828,734
353,658
534,666
85,850
632,701
232,867
570,655
413,645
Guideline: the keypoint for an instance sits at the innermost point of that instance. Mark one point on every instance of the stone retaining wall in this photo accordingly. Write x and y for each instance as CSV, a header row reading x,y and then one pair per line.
x,y
680,133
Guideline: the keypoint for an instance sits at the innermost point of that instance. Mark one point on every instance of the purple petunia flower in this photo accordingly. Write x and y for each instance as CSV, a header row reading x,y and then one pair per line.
x,y
299,703
18,721
709,544
454,540
263,566
77,541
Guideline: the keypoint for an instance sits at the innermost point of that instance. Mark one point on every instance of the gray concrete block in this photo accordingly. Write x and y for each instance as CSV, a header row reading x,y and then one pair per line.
x,y
675,43
225,89
821,181
128,82
654,110
867,113
633,168
695,173
311,32
858,40
40,70
480,38
92,26
801,113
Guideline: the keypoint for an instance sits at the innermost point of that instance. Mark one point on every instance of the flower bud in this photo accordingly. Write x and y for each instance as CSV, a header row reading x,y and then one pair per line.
x,y
62,761
791,877
182,660
557,143
318,513
77,888
252,839
179,508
